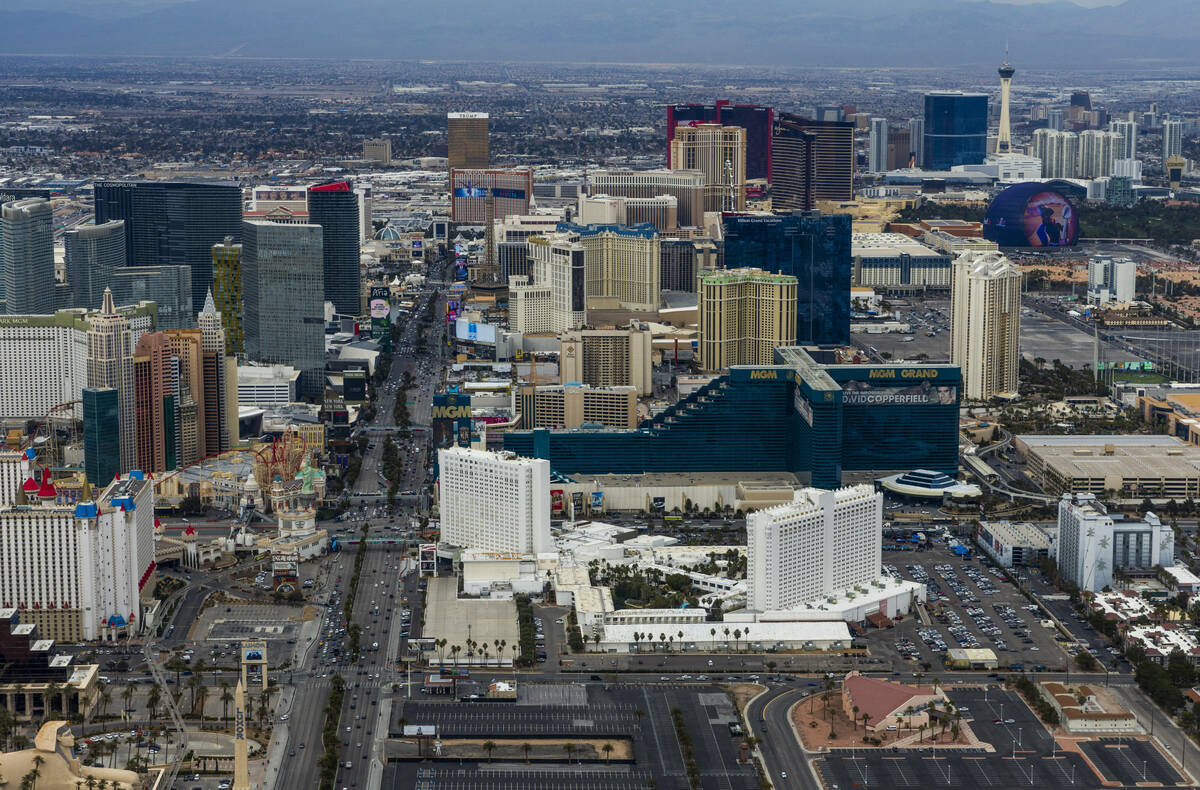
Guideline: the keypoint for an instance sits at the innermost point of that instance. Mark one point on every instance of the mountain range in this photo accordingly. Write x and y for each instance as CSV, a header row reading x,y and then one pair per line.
x,y
928,33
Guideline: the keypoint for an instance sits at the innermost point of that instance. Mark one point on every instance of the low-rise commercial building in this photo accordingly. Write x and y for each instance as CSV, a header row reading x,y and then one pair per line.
x,y
897,263
1179,578
1175,410
1081,710
267,385
886,705
1141,466
971,658
1013,544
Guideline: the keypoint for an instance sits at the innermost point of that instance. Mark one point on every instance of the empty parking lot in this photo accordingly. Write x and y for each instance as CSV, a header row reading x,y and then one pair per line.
x,y
640,712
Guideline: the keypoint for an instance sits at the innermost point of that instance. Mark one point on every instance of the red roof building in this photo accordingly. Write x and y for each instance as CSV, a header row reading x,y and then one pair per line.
x,y
887,704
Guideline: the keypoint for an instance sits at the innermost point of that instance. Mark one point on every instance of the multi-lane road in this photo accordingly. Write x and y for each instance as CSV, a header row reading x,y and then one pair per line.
x,y
363,723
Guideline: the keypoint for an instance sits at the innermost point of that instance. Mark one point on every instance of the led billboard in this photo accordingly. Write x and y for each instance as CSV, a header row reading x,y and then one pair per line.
x,y
472,332
1031,215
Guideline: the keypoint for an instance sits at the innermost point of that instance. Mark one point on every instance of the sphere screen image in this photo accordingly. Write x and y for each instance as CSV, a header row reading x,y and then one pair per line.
x,y
1031,215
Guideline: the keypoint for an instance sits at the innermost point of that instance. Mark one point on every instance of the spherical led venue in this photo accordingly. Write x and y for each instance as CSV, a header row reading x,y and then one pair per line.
x,y
1031,215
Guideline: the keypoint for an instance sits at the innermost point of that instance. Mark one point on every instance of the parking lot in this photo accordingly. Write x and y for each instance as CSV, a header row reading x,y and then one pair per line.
x,y
1130,761
1002,719
1098,645
504,719
958,768
1024,755
975,607
495,776
611,711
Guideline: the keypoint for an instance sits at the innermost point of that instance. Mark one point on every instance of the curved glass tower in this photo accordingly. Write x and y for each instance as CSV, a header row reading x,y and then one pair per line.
x,y
955,129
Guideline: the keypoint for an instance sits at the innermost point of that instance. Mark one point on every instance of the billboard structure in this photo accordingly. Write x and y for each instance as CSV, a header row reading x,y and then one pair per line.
x,y
285,572
379,303
471,332
861,393
469,189
1032,215
451,418
254,654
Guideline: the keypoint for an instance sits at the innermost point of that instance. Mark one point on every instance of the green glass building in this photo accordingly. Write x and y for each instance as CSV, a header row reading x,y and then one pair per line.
x,y
101,434
798,415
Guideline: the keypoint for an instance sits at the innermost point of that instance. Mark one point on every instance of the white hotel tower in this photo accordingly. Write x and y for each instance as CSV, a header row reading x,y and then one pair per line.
x,y
495,501
820,543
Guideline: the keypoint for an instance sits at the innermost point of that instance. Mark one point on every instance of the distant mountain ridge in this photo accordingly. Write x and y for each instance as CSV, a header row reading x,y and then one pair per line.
x,y
752,32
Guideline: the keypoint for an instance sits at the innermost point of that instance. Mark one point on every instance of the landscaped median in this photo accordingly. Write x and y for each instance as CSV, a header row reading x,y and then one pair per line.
x,y
524,750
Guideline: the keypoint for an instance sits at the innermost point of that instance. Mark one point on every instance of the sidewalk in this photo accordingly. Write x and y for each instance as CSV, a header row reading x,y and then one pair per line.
x,y
265,772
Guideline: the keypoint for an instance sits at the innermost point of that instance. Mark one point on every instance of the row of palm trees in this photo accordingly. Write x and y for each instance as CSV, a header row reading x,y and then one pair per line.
x,y
669,639
569,748
474,648
199,692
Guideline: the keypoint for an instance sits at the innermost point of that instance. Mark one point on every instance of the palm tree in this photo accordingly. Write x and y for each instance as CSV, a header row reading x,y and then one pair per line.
x,y
670,643
746,633
525,747
264,701
637,637
105,697
909,713
53,698
226,701
854,718
569,748
194,685
922,729
153,700
866,717
489,746
607,749
662,639
176,665
127,697
203,694
737,637
726,630
36,773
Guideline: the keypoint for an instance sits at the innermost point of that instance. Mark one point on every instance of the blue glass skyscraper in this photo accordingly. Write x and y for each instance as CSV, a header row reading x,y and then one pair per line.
x,y
814,249
955,129
172,223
